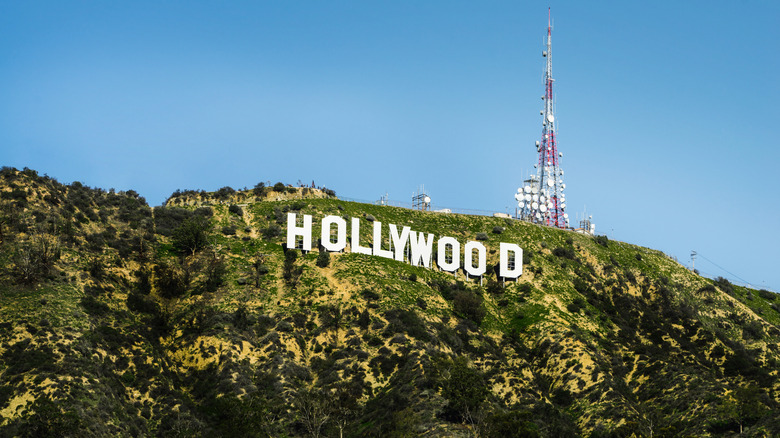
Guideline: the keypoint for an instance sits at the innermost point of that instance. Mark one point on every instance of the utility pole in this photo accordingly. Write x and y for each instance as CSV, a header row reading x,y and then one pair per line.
x,y
693,260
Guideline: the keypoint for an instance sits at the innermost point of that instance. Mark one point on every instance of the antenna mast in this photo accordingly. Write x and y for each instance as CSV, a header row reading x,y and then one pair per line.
x,y
542,200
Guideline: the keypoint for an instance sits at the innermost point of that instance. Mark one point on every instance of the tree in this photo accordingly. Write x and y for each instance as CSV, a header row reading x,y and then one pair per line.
x,y
744,407
191,235
465,390
34,258
312,410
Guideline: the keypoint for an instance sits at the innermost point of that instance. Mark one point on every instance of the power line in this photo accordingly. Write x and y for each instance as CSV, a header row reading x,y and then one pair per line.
x,y
724,270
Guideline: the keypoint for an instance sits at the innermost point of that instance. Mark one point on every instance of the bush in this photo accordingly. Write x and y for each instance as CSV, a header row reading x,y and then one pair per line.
x,y
259,189
323,259
564,252
602,240
224,192
229,230
272,231
468,305
370,217
498,230
169,281
235,209
765,294
482,236
278,187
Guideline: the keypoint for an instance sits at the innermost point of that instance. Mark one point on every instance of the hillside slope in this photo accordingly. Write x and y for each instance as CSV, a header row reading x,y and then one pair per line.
x,y
118,319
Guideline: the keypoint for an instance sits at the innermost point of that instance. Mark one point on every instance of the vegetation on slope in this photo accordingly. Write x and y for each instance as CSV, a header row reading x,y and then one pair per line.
x,y
193,319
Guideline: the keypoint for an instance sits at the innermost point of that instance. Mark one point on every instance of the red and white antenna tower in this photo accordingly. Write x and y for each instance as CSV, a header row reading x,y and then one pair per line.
x,y
541,199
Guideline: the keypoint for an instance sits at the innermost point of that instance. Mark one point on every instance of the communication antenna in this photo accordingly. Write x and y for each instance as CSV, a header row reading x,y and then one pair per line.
x,y
421,200
547,184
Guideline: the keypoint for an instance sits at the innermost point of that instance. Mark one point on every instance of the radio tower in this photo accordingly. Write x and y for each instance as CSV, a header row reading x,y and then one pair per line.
x,y
541,199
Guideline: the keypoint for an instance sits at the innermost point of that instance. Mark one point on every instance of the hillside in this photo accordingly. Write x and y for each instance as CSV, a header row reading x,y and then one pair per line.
x,y
193,319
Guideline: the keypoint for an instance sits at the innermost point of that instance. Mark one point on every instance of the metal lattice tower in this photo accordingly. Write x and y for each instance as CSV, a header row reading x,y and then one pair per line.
x,y
541,199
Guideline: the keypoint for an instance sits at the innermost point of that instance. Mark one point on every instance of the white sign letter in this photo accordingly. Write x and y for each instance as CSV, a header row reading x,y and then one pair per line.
x,y
421,250
478,270
378,251
293,230
341,233
356,248
441,257
399,242
506,269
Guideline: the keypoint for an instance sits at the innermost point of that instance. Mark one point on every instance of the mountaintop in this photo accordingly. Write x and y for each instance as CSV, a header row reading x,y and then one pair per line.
x,y
195,319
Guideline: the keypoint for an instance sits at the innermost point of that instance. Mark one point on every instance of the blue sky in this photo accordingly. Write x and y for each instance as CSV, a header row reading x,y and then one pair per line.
x,y
667,111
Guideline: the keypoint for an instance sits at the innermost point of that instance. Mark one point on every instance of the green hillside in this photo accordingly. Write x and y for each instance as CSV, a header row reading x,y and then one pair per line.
x,y
192,319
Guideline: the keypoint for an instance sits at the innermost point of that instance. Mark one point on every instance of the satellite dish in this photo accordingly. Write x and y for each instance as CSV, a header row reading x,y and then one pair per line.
x,y
543,208
563,205
566,216
541,112
538,216
541,199
520,204
550,118
536,198
427,199
550,182
534,189
537,143
518,196
527,189
563,186
535,206
519,190
560,154
528,197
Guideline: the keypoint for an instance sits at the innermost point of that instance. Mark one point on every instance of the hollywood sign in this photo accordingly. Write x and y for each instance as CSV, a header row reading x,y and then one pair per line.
x,y
416,246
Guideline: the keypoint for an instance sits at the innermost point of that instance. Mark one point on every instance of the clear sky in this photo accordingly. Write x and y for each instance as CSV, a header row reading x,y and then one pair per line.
x,y
667,111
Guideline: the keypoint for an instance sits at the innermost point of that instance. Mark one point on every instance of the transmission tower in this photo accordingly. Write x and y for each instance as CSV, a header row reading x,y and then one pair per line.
x,y
541,199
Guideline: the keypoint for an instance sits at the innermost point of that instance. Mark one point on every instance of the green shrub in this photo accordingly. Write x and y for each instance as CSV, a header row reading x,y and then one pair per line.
x,y
498,230
468,305
482,236
235,209
564,252
602,240
323,259
279,187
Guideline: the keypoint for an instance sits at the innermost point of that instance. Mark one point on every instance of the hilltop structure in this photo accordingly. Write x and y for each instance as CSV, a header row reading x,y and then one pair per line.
x,y
541,199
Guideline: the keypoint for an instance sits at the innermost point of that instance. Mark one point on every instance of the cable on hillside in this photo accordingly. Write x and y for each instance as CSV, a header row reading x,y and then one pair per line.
x,y
724,270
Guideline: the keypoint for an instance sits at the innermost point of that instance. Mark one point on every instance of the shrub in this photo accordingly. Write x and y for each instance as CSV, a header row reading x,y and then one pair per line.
x,y
468,305
498,230
259,189
767,295
602,240
229,230
169,281
279,187
564,252
323,259
482,236
235,209
272,231
224,192
370,217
